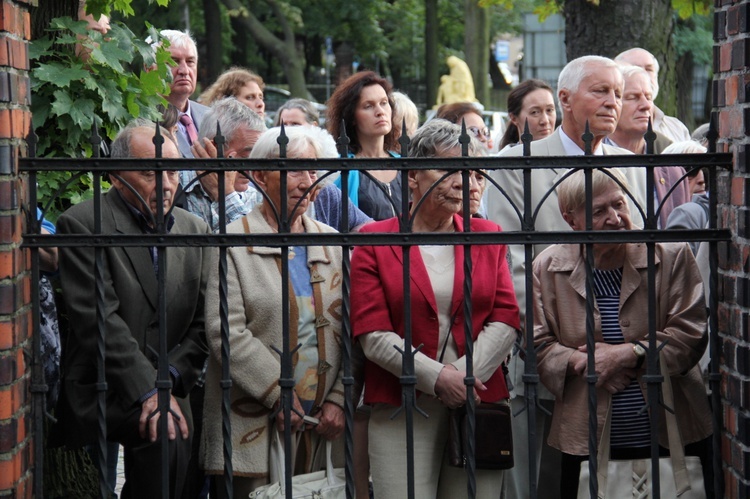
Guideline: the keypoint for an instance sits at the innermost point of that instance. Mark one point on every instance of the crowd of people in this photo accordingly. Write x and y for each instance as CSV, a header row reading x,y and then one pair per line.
x,y
612,99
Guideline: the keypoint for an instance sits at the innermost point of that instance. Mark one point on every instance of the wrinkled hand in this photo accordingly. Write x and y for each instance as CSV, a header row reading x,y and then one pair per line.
x,y
450,387
618,382
150,427
296,419
206,150
210,182
332,421
615,365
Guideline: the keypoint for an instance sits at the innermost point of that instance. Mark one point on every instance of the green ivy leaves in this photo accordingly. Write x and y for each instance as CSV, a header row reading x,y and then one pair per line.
x,y
79,76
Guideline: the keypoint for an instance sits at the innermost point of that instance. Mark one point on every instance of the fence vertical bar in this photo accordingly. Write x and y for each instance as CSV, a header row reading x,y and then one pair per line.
x,y
163,380
591,376
713,300
530,376
39,386
226,378
101,380
346,326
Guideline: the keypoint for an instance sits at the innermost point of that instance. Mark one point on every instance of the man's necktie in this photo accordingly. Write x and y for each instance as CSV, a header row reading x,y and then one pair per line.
x,y
192,132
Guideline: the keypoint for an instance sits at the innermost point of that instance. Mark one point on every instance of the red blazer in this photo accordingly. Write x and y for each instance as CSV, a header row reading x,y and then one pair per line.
x,y
377,302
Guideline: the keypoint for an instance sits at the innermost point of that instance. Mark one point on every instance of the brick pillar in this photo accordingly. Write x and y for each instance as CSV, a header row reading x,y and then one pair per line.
x,y
16,456
731,95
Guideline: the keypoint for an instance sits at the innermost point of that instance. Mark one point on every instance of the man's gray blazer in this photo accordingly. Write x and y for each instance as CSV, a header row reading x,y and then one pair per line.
x,y
197,112
500,210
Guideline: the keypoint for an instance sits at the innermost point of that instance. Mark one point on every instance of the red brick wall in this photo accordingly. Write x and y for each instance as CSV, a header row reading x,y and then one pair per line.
x,y
16,459
731,95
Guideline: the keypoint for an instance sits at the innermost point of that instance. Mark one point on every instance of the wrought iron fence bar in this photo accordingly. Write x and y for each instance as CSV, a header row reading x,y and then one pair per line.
x,y
591,376
653,385
39,386
408,377
375,238
163,379
654,377
530,376
709,160
227,480
714,345
101,385
350,405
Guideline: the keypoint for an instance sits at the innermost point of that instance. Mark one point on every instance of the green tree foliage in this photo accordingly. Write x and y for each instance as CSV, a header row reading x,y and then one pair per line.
x,y
106,7
80,77
545,8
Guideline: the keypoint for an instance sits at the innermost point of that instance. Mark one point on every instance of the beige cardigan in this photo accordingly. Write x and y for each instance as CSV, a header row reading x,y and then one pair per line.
x,y
560,324
255,324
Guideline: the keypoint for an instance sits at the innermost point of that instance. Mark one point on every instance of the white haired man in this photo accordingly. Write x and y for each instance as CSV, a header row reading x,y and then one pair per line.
x,y
240,127
670,126
590,90
184,77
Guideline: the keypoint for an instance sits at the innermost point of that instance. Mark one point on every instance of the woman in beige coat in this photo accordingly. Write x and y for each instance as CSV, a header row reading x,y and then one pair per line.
x,y
620,280
255,327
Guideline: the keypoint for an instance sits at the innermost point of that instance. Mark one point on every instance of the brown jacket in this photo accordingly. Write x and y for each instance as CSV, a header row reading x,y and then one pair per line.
x,y
560,324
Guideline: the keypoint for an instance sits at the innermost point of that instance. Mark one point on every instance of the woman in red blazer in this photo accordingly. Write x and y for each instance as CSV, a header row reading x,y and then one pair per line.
x,y
437,278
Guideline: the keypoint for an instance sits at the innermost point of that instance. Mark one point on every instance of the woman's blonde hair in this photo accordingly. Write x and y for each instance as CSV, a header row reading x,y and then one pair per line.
x,y
571,193
229,84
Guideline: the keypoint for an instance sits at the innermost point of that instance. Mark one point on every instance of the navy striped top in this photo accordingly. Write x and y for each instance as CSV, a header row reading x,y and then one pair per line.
x,y
629,428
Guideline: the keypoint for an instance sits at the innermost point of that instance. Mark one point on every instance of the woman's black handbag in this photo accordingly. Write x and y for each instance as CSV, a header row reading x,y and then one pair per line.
x,y
493,436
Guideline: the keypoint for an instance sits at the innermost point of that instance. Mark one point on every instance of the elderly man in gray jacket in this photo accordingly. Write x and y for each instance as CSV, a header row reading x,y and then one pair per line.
x,y
590,90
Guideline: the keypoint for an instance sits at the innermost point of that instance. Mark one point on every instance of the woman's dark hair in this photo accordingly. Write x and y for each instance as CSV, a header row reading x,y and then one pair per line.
x,y
343,104
454,112
169,116
515,106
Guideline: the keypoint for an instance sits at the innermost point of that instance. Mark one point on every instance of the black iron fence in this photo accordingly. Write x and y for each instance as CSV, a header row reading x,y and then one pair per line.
x,y
405,238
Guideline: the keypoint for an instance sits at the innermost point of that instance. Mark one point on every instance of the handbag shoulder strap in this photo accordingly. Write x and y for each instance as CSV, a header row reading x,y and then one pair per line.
x,y
676,447
447,336
279,455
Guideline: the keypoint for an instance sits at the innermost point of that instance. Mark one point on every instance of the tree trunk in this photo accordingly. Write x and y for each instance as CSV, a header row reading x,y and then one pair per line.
x,y
212,59
344,54
684,76
239,43
477,46
48,10
615,25
283,49
432,65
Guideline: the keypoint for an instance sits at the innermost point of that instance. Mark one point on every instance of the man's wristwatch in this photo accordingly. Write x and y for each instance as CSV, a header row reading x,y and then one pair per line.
x,y
640,353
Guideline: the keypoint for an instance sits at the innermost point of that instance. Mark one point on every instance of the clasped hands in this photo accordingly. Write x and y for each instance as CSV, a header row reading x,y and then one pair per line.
x,y
331,418
450,387
614,364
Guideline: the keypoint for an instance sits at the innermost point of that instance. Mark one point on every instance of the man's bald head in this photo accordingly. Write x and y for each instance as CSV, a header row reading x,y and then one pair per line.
x,y
644,59
137,141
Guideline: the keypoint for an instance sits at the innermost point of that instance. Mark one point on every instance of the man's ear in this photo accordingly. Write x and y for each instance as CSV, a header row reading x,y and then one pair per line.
x,y
114,179
563,96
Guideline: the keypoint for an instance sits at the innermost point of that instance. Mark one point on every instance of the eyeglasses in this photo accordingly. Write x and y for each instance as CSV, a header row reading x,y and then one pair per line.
x,y
479,132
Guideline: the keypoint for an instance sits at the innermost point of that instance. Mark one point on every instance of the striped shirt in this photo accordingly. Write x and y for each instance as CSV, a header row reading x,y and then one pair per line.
x,y
630,426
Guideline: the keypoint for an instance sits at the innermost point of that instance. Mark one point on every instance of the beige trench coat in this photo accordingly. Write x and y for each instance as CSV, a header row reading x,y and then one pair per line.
x,y
255,324
560,324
